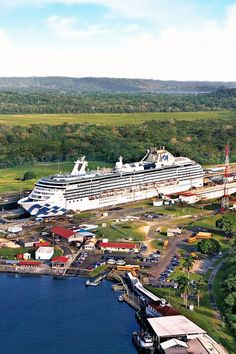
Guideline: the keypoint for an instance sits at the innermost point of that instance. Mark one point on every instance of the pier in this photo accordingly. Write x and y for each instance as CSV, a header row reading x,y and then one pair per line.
x,y
129,296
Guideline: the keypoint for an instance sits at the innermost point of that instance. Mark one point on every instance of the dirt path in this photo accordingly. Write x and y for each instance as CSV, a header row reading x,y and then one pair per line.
x,y
6,243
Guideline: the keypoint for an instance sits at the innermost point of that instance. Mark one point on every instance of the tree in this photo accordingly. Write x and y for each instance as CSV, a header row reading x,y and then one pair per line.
x,y
230,300
185,287
188,264
200,286
209,246
29,175
226,224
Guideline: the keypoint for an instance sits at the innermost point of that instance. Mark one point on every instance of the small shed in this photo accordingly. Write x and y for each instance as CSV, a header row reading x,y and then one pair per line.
x,y
174,232
188,197
26,243
26,256
44,253
158,202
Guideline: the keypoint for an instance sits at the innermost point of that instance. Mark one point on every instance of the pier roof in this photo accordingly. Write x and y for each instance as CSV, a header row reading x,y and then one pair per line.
x,y
179,325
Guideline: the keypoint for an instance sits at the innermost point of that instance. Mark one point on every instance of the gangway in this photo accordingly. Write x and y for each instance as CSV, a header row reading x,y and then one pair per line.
x,y
73,259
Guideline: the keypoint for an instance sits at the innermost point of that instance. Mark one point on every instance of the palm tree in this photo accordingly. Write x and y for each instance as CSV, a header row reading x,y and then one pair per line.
x,y
185,287
199,287
188,264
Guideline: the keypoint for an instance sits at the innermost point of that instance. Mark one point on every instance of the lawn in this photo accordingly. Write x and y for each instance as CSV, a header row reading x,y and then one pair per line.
x,y
203,316
98,270
9,177
122,231
10,253
119,119
207,222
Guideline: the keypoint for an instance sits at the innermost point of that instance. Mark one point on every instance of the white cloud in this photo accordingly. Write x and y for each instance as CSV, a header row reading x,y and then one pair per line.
x,y
205,53
5,43
66,27
163,11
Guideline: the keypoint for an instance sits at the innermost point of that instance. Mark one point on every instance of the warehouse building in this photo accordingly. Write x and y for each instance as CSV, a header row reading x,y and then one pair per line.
x,y
44,253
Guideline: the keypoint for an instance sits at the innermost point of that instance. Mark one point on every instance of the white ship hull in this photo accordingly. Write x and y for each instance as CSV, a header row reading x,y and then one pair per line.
x,y
159,172
109,199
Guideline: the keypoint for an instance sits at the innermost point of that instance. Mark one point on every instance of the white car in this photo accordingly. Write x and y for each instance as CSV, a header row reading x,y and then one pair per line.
x,y
111,261
120,262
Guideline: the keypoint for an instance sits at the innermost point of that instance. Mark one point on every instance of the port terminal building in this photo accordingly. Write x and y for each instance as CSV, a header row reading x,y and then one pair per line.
x,y
179,335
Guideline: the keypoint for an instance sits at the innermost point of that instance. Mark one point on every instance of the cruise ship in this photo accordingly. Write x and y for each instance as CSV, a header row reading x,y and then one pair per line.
x,y
159,172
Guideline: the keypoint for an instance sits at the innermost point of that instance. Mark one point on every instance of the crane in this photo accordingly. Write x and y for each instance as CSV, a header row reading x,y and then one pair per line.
x,y
225,198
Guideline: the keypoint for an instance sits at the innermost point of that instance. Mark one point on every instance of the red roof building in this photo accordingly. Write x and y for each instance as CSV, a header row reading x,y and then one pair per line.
x,y
59,259
118,246
158,310
29,263
62,232
44,244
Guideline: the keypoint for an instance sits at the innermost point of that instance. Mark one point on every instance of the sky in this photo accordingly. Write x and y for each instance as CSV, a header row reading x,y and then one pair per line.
x,y
152,39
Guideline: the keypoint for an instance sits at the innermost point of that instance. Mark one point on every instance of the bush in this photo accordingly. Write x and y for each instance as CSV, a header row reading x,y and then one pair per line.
x,y
29,175
209,246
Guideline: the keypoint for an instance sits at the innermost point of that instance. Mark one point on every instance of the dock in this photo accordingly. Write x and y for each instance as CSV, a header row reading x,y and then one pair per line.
x,y
129,296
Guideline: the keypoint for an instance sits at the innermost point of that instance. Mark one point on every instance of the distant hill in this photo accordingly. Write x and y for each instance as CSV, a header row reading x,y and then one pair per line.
x,y
113,85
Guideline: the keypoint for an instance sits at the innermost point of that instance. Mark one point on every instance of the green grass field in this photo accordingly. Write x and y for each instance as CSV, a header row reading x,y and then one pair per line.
x,y
121,231
110,119
9,177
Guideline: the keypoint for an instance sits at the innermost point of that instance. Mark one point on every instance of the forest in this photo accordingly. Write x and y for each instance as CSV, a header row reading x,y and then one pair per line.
x,y
104,102
203,142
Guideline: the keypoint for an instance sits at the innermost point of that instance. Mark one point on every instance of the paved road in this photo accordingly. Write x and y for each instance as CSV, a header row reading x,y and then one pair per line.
x,y
210,284
167,256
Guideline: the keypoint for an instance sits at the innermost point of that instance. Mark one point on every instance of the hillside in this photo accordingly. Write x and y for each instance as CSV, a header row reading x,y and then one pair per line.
x,y
92,84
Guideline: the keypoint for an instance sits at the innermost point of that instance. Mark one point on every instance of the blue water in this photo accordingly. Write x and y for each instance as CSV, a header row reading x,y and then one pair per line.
x,y
39,315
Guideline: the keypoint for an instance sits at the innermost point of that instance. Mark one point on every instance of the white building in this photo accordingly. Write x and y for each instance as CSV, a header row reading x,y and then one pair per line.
x,y
119,246
158,202
90,246
44,253
15,229
26,256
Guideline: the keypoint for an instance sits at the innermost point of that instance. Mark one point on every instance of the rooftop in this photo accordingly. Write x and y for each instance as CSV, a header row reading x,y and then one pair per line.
x,y
194,346
118,245
42,249
61,259
62,232
29,263
178,325
165,310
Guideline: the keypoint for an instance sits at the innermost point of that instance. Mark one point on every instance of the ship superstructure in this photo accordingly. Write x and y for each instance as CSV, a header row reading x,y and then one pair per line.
x,y
159,172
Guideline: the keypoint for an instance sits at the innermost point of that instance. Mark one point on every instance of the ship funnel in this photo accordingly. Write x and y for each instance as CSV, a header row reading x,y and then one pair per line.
x,y
80,167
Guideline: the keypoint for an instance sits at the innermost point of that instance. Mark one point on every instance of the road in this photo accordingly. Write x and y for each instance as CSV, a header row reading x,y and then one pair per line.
x,y
210,284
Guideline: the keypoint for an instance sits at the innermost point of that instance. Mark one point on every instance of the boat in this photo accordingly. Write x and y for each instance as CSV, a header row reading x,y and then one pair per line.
x,y
143,342
91,283
120,298
158,172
